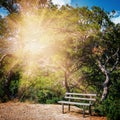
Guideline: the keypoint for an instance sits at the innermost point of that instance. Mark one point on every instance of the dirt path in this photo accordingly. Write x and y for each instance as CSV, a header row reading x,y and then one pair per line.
x,y
25,111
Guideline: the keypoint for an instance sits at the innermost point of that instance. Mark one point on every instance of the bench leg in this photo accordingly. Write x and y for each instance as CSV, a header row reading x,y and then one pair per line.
x,y
69,108
83,111
90,110
62,108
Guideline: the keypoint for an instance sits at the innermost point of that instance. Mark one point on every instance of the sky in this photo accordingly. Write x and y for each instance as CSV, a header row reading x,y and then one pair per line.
x,y
107,5
3,12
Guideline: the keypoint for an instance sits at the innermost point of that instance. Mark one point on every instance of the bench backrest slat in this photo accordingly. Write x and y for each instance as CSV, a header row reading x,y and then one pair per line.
x,y
89,98
78,98
78,94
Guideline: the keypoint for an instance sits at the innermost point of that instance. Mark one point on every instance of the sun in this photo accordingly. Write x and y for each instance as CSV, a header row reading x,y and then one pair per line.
x,y
33,47
36,34
33,42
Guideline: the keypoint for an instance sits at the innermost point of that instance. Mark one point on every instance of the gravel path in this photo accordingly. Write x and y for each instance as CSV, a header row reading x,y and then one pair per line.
x,y
25,111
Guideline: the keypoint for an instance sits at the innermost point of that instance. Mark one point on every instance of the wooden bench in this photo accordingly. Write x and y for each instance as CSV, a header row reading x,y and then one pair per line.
x,y
78,99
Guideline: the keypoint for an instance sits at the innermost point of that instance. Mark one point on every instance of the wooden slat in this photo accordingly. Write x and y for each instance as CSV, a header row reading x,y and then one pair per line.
x,y
74,103
78,98
80,94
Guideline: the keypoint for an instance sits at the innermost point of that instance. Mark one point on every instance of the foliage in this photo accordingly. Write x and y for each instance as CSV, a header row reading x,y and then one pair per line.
x,y
83,50
108,53
111,106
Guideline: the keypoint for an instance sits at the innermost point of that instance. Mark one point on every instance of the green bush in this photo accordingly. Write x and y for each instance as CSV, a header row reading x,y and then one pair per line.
x,y
109,108
53,100
114,110
1,91
47,96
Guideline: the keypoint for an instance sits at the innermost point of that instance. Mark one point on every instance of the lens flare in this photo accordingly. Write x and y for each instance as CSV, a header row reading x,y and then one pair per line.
x,y
34,39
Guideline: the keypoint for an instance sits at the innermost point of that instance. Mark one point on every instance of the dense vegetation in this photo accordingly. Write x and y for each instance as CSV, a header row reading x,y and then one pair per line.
x,y
46,50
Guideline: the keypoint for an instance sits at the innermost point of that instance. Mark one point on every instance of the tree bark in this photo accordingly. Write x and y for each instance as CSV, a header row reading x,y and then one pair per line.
x,y
107,79
105,87
66,82
3,57
8,77
106,71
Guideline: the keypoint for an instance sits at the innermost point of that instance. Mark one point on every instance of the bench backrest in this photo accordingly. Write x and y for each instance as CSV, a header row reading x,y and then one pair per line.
x,y
81,97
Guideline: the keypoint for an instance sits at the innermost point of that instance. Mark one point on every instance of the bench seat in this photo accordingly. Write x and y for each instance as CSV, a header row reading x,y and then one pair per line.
x,y
74,103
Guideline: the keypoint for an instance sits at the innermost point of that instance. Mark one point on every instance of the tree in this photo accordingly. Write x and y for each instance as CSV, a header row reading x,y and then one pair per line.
x,y
96,45
17,5
108,54
78,29
72,40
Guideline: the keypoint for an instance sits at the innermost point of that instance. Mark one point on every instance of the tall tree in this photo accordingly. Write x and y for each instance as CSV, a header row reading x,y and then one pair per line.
x,y
108,54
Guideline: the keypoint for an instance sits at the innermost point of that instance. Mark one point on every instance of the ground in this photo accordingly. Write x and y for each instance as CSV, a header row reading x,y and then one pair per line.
x,y
27,111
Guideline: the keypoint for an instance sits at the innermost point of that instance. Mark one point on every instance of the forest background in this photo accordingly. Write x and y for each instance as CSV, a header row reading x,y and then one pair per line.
x,y
47,50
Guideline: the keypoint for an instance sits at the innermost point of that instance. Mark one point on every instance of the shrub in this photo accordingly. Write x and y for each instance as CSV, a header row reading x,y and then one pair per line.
x,y
47,96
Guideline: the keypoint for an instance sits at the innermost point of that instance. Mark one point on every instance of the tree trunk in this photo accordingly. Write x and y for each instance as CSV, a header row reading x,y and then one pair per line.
x,y
66,82
7,85
105,87
107,79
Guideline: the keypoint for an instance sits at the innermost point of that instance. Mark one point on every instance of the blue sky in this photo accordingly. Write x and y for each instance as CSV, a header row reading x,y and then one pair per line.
x,y
3,12
107,5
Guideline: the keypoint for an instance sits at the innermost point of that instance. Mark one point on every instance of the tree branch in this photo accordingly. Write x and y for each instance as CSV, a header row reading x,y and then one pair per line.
x,y
105,84
3,57
117,60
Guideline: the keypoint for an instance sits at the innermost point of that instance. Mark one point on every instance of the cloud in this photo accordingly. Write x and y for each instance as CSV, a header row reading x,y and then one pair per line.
x,y
1,14
116,20
61,2
117,13
116,17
